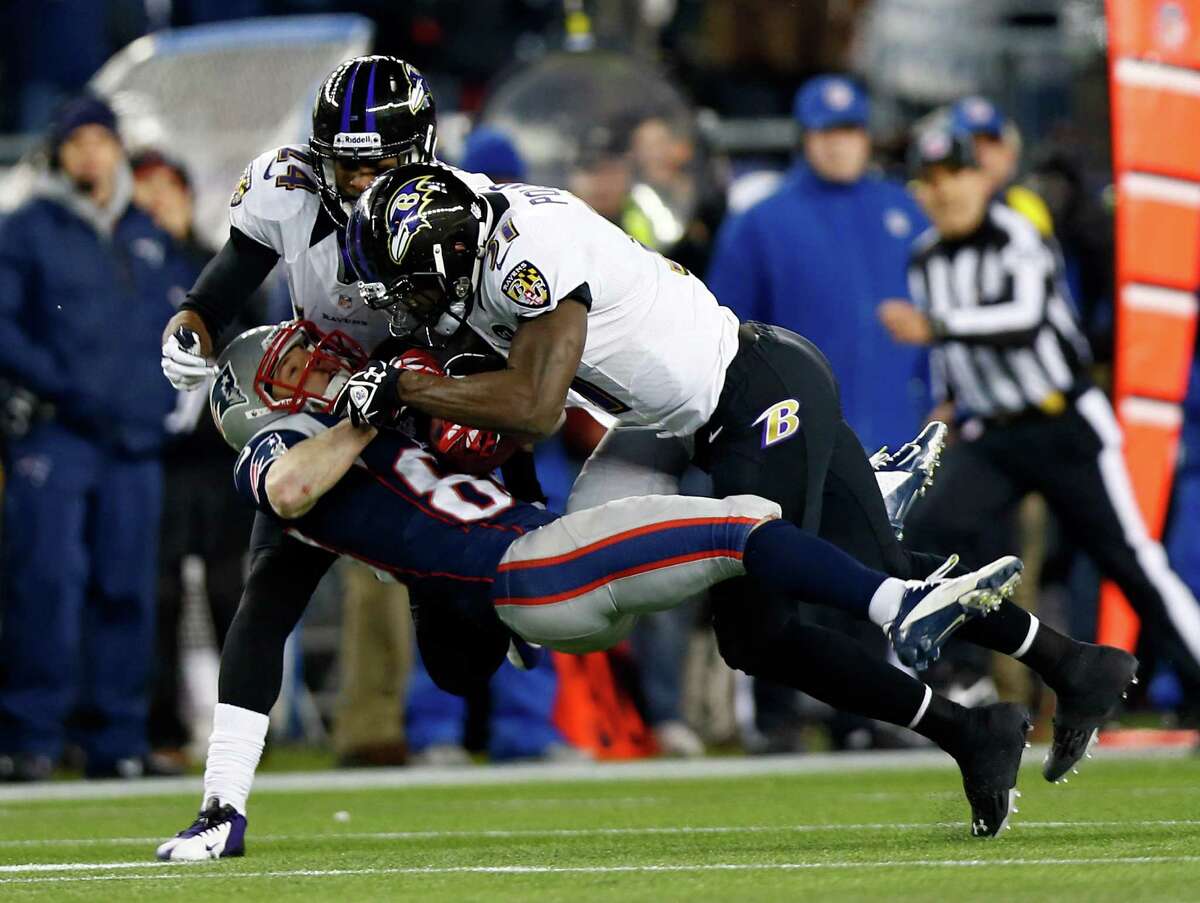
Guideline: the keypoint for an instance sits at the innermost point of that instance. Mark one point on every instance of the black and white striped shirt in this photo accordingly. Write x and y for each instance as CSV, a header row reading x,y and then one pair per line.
x,y
1006,338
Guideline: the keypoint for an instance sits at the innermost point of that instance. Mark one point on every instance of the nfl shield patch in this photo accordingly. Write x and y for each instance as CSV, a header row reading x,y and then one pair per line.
x,y
525,285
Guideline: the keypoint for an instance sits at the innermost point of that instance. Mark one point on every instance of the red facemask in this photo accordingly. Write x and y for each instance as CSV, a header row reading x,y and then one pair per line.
x,y
333,353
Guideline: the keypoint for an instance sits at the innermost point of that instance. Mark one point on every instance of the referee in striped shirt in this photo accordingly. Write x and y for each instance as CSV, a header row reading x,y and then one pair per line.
x,y
1008,354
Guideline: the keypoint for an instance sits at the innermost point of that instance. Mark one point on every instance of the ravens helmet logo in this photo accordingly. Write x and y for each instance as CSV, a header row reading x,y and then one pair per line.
x,y
406,213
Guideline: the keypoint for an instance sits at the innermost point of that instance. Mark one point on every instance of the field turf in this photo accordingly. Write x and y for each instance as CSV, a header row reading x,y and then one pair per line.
x,y
1123,830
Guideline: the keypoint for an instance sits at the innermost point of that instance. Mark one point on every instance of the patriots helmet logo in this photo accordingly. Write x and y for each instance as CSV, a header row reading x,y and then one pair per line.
x,y
418,89
226,391
406,213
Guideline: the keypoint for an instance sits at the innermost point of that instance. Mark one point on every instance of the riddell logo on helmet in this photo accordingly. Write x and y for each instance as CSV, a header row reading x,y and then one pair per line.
x,y
357,141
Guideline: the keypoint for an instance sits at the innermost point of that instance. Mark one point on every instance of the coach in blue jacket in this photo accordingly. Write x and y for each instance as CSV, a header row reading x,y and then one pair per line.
x,y
821,253
85,282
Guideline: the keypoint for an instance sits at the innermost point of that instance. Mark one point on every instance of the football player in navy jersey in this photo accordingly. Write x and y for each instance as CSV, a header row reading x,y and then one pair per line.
x,y
500,575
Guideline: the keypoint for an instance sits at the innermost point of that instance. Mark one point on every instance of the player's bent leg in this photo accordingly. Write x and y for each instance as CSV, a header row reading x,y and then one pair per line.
x,y
986,743
283,575
579,583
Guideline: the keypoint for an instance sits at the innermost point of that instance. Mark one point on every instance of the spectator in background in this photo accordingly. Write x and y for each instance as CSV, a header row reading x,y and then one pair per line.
x,y
821,253
202,515
818,256
997,145
85,284
519,704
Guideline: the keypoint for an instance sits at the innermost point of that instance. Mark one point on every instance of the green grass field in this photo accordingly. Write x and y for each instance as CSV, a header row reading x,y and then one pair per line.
x,y
1123,830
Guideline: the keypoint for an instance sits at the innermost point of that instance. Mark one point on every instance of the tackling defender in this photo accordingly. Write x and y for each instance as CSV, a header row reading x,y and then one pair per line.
x,y
576,583
371,113
574,304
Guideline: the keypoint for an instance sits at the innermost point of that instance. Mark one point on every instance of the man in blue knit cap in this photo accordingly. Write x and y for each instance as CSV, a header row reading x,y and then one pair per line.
x,y
85,284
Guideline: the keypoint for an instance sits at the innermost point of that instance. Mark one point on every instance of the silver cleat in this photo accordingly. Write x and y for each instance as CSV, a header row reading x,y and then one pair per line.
x,y
906,475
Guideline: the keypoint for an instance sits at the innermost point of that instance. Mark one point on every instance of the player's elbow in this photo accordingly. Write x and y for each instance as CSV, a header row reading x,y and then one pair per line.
x,y
290,497
541,421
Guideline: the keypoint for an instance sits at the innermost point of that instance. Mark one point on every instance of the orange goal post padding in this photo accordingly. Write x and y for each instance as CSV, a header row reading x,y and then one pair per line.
x,y
1154,79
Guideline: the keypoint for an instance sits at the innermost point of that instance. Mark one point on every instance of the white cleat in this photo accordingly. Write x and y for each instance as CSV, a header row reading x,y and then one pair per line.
x,y
217,833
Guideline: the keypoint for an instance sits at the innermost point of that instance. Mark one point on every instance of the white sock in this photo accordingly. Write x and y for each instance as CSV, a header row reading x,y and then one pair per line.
x,y
234,748
1034,623
885,604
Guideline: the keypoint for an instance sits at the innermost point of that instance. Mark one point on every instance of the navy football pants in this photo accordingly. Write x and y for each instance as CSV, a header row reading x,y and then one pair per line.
x,y
80,549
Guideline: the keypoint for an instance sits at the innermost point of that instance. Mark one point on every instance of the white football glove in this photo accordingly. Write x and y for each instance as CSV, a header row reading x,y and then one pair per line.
x,y
182,363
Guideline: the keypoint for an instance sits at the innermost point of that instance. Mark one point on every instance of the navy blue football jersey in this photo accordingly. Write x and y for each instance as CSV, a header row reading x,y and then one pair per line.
x,y
398,511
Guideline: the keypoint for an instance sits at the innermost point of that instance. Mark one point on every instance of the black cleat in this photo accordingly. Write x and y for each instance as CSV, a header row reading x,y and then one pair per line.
x,y
1098,679
989,761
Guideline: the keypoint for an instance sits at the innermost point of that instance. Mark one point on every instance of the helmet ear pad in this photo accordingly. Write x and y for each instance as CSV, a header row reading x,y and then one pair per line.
x,y
462,265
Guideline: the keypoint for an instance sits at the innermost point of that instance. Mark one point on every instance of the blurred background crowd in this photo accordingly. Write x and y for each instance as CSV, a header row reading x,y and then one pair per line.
x,y
761,144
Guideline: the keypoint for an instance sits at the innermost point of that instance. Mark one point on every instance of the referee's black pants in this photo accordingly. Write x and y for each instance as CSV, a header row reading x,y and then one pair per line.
x,y
1074,460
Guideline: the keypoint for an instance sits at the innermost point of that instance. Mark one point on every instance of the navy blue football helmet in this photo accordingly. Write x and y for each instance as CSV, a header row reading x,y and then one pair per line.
x,y
416,238
370,108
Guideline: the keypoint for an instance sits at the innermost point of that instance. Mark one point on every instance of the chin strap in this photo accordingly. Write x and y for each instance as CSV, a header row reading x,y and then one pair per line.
x,y
336,383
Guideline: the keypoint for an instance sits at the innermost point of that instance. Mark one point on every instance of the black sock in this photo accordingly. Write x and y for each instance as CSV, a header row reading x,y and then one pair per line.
x,y
784,559
837,670
942,723
1006,631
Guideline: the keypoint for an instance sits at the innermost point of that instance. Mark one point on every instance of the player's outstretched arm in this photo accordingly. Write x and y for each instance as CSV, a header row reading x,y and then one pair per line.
x,y
526,398
220,292
309,469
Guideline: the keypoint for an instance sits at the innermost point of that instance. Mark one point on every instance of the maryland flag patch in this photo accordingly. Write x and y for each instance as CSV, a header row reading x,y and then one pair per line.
x,y
242,187
526,285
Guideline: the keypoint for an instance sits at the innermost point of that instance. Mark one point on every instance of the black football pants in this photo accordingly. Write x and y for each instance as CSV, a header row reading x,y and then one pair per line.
x,y
778,432
460,646
1074,460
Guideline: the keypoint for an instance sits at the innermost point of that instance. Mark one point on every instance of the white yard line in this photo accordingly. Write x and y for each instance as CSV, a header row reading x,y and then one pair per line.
x,y
506,833
537,772
179,872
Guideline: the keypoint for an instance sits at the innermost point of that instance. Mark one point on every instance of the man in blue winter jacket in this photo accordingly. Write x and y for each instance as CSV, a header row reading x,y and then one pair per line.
x,y
85,283
820,254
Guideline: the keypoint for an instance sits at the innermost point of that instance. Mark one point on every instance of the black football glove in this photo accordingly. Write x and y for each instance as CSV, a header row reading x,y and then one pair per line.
x,y
369,397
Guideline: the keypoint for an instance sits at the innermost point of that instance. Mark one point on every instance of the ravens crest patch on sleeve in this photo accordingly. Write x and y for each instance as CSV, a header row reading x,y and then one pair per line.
x,y
242,187
526,285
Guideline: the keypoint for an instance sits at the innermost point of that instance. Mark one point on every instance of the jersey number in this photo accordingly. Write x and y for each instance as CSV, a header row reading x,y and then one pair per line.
x,y
598,397
294,177
457,495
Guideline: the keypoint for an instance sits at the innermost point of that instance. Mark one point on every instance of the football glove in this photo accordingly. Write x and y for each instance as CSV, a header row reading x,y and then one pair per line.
x,y
369,397
182,363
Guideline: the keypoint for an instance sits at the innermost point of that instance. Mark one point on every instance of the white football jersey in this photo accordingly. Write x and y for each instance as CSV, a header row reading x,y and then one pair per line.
x,y
658,343
276,203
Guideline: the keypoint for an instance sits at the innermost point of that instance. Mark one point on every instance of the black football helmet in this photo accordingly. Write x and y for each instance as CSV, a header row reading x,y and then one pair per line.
x,y
370,108
416,238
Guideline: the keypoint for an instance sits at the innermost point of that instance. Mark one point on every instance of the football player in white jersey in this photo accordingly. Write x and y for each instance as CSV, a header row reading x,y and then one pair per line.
x,y
291,205
573,304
